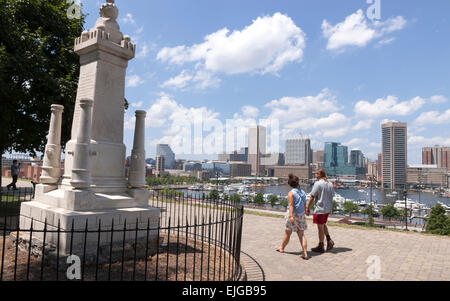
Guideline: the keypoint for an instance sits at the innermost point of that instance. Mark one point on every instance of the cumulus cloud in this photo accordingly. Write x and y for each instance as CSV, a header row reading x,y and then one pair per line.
x,y
421,141
201,80
363,125
250,111
389,106
433,117
137,104
265,46
134,81
289,109
357,30
438,99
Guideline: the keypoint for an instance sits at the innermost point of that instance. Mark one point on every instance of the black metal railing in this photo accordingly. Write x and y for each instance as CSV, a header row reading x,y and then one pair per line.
x,y
10,202
196,239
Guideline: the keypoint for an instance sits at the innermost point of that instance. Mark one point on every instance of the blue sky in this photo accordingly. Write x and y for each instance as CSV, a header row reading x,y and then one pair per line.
x,y
320,68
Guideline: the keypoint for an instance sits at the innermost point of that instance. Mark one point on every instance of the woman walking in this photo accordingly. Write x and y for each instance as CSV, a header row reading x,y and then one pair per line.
x,y
296,221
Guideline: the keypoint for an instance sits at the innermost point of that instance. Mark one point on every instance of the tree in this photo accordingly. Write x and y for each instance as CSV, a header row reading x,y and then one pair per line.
x,y
370,211
225,197
350,207
273,200
38,68
259,199
284,203
438,222
390,212
335,206
236,198
214,195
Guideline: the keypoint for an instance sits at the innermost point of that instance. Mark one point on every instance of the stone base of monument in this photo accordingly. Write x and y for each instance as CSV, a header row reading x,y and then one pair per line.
x,y
81,210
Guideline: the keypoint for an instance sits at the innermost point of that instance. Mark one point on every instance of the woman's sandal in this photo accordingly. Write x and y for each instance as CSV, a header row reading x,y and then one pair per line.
x,y
303,257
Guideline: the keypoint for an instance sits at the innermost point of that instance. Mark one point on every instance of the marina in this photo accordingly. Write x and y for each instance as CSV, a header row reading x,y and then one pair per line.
x,y
418,203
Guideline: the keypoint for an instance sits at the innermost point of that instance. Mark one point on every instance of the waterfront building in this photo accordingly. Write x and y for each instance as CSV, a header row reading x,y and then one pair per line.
x,y
256,147
427,175
380,167
436,155
318,157
298,152
275,159
169,155
240,169
336,162
192,166
304,172
395,156
214,167
356,158
160,166
235,156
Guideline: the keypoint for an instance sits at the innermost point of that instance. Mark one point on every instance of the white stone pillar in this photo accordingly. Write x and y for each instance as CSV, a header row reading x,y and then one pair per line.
x,y
136,176
81,175
51,168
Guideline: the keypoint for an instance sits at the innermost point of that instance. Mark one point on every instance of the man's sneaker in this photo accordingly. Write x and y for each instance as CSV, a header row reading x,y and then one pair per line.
x,y
319,248
330,245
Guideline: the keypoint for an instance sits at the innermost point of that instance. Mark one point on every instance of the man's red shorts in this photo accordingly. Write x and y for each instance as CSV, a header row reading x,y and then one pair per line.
x,y
320,219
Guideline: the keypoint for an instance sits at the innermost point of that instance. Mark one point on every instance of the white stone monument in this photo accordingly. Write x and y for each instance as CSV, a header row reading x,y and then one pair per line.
x,y
93,187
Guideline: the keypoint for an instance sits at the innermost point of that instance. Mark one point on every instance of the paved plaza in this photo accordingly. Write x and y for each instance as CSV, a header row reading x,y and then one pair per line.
x,y
403,256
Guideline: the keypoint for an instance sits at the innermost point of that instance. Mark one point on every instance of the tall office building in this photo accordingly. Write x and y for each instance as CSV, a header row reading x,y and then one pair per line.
x,y
256,148
436,155
356,158
380,167
169,155
395,154
318,157
298,152
160,164
336,162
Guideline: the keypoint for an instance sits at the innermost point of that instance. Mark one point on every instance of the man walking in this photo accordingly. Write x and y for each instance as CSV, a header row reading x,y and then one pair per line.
x,y
323,194
15,174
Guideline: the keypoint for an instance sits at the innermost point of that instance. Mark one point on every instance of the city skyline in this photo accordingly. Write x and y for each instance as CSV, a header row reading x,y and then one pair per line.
x,y
329,89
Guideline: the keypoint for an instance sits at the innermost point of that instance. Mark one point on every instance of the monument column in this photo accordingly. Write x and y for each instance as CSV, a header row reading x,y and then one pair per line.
x,y
51,168
81,176
136,177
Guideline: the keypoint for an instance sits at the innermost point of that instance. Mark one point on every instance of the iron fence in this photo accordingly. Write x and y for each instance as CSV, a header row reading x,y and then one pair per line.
x,y
197,239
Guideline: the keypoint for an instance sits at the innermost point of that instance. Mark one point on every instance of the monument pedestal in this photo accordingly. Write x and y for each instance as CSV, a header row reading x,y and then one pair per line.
x,y
82,210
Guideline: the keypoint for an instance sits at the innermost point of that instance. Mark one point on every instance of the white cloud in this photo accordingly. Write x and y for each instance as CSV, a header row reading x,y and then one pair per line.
x,y
291,109
137,104
363,125
433,117
250,111
358,31
142,51
180,81
128,19
202,79
386,41
438,99
389,106
265,46
420,141
134,81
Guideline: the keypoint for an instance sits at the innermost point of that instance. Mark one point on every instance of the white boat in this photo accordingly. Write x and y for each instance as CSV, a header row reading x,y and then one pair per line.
x,y
337,198
361,190
400,204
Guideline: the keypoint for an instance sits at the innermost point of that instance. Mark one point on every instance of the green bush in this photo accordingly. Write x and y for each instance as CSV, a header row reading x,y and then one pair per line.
x,y
350,207
438,222
390,212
